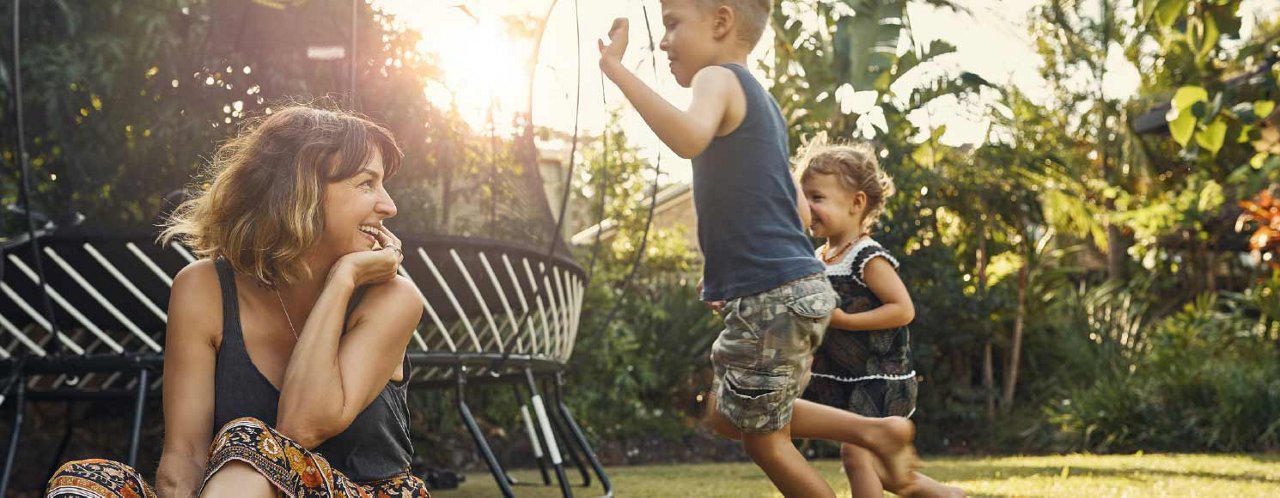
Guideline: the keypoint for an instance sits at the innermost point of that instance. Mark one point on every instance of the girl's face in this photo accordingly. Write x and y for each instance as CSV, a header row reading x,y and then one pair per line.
x,y
354,205
835,210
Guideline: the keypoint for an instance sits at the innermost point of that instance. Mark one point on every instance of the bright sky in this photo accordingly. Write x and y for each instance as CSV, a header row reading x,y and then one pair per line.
x,y
484,65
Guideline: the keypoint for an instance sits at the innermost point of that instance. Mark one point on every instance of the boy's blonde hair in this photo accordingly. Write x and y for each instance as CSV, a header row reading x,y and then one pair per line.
x,y
855,165
261,203
753,16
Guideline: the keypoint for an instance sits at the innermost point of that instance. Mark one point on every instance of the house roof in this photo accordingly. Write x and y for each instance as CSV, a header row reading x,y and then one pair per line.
x,y
1153,121
668,197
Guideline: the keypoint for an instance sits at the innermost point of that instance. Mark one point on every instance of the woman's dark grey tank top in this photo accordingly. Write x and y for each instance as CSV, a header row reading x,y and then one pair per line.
x,y
375,446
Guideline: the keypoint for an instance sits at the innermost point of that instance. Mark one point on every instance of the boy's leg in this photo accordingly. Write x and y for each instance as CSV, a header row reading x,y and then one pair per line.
x,y
925,487
775,454
891,437
860,466
761,361
830,424
888,438
866,475
718,422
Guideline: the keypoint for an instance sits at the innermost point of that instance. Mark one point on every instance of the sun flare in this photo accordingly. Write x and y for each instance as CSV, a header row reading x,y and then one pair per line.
x,y
485,68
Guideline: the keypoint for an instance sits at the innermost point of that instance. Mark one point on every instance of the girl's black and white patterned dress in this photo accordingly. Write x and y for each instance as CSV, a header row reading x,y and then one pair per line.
x,y
868,372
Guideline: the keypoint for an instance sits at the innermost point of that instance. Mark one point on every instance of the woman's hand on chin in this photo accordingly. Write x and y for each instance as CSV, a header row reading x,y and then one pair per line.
x,y
373,266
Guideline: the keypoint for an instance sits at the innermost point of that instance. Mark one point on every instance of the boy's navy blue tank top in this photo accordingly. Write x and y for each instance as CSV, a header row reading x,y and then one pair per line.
x,y
375,446
748,225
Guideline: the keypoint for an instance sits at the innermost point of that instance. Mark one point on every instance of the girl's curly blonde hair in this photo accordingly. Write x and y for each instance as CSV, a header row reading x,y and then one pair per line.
x,y
259,204
855,165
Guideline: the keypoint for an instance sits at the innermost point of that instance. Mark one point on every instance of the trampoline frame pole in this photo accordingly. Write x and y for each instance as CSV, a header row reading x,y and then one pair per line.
x,y
15,432
63,443
140,402
495,468
562,434
540,453
553,451
579,438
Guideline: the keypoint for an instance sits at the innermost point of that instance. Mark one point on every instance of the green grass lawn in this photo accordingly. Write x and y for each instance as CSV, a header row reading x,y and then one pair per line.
x,y
1090,476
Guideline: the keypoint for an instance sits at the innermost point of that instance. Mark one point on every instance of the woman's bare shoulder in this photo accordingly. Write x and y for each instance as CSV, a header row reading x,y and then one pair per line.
x,y
197,279
195,302
390,298
396,288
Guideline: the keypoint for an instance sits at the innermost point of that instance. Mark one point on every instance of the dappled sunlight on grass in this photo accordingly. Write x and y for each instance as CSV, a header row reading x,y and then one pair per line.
x,y
1121,475
1094,476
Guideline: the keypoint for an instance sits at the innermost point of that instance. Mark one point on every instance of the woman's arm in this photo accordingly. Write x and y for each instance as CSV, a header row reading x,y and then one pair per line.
x,y
190,356
895,310
332,376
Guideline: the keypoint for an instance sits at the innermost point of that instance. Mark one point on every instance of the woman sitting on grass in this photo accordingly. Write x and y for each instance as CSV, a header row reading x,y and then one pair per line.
x,y
285,369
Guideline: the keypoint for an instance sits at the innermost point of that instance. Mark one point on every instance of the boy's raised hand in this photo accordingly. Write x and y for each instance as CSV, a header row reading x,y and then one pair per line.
x,y
618,36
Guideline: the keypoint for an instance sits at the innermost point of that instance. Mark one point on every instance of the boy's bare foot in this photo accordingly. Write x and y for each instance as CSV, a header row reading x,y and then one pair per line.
x,y
925,487
894,450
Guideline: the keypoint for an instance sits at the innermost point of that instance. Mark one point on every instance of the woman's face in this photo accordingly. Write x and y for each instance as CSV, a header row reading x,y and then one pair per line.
x,y
354,205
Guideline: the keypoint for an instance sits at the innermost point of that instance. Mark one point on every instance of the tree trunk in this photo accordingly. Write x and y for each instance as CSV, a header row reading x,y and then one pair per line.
x,y
446,185
988,370
982,260
963,372
1117,249
1210,271
989,381
1015,348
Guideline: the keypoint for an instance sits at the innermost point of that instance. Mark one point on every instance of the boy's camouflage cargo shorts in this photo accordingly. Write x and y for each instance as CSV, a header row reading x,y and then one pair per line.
x,y
762,356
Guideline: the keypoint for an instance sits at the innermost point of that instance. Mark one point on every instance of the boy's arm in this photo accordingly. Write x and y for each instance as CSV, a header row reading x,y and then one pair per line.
x,y
686,132
896,309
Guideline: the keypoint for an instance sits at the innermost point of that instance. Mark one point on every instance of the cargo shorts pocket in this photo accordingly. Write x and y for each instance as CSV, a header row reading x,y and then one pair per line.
x,y
756,401
739,315
814,306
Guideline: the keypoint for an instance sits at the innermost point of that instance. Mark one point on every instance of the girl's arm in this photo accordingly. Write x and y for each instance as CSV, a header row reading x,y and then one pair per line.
x,y
334,374
189,359
895,310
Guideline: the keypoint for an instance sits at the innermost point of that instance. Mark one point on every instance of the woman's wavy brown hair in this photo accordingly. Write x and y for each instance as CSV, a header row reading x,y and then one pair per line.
x,y
259,203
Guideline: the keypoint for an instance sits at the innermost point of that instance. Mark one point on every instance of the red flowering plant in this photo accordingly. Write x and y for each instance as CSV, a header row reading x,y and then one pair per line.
x,y
1264,212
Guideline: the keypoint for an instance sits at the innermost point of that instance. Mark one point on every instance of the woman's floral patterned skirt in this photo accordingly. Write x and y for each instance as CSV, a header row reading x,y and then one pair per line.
x,y
292,469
